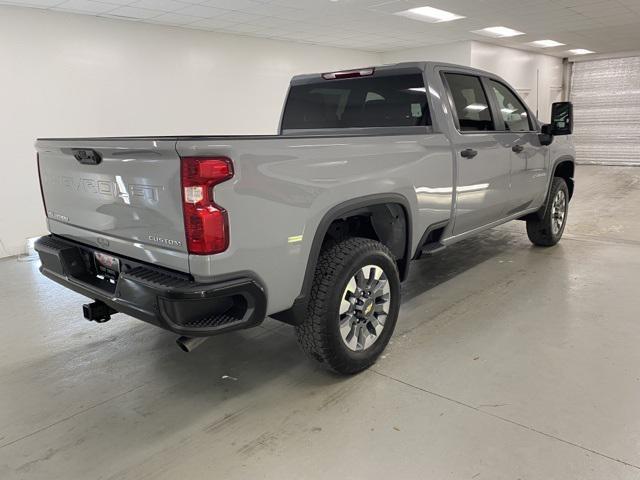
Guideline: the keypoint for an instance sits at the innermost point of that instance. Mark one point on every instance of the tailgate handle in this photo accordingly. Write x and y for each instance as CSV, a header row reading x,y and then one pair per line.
x,y
87,156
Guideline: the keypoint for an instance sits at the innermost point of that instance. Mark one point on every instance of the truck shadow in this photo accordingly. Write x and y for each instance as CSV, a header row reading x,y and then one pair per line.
x,y
270,351
431,271
228,371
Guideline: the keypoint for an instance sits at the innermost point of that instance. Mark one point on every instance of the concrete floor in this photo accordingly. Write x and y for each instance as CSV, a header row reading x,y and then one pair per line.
x,y
509,362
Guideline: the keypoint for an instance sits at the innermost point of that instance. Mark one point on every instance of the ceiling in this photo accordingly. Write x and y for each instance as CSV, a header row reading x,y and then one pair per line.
x,y
603,26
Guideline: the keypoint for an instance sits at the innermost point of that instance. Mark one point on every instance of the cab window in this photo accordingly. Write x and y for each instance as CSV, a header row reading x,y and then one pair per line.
x,y
470,102
513,112
375,101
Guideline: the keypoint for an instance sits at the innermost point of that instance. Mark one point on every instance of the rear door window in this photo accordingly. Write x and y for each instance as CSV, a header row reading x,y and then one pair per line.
x,y
470,102
383,101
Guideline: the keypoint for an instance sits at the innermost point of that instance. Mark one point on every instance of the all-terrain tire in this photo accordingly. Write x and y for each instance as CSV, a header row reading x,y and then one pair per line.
x,y
320,334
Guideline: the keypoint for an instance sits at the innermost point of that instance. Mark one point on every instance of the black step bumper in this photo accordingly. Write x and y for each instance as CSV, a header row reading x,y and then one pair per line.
x,y
168,299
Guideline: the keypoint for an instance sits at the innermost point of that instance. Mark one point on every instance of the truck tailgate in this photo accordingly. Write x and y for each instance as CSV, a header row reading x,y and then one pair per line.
x,y
120,195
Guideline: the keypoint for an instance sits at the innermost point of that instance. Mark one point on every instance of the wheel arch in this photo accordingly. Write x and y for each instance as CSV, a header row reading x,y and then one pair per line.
x,y
372,206
565,167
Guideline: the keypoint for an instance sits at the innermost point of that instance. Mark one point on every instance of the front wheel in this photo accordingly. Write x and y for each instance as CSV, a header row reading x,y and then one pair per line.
x,y
548,230
353,306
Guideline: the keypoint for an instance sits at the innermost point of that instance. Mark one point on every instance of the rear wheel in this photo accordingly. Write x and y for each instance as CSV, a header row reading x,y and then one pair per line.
x,y
548,230
353,306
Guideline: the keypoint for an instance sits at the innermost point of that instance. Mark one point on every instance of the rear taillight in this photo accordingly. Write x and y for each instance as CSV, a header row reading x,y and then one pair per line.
x,y
206,223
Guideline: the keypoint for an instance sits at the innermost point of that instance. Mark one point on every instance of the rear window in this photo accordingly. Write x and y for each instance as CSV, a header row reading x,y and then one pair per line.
x,y
384,101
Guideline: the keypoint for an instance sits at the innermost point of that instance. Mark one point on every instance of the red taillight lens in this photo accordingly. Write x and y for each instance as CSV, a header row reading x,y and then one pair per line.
x,y
206,223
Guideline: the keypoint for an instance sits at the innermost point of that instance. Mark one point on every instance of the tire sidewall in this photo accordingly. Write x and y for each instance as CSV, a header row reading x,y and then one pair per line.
x,y
362,359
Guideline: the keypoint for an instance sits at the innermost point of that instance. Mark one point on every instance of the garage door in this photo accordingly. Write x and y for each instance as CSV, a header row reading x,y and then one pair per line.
x,y
606,98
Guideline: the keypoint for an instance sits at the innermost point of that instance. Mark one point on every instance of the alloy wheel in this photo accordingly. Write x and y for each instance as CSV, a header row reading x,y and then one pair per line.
x,y
558,212
364,308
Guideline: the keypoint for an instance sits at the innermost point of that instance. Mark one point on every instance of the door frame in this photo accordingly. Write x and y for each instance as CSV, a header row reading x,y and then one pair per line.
x,y
534,129
496,116
499,126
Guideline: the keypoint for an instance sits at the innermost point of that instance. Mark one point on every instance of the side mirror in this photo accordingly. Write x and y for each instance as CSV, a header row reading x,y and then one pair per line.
x,y
545,135
562,118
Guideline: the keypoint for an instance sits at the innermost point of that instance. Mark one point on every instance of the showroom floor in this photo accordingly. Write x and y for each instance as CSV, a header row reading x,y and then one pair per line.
x,y
509,361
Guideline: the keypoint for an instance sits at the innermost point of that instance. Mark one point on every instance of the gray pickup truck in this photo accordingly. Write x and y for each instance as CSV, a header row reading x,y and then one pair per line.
x,y
315,226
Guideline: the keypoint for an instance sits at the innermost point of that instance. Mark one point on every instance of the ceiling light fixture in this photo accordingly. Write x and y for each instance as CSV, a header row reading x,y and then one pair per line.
x,y
546,44
580,51
429,14
498,32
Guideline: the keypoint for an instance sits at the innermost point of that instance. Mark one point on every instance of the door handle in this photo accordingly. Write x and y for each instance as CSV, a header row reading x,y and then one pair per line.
x,y
517,148
468,153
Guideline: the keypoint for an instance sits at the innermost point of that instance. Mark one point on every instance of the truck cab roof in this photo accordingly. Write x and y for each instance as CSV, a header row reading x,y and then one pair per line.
x,y
396,68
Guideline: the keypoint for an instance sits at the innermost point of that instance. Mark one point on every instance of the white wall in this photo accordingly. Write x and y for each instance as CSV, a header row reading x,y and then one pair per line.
x,y
521,68
70,75
458,53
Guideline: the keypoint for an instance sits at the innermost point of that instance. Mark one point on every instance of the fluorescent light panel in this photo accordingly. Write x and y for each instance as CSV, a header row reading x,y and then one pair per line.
x,y
580,51
546,43
429,14
498,32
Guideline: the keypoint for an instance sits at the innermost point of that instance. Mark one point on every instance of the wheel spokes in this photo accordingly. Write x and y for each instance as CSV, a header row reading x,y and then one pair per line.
x,y
375,326
363,333
558,211
346,325
352,335
348,297
378,288
364,307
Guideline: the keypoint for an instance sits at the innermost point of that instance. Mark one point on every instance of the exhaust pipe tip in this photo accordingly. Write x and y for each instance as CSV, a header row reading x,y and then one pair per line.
x,y
189,344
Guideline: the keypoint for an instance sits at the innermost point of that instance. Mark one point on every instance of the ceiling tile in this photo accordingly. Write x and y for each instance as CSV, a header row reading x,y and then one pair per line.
x,y
174,19
201,11
135,13
85,6
164,5
114,2
600,25
33,3
210,24
313,4
239,17
273,22
232,4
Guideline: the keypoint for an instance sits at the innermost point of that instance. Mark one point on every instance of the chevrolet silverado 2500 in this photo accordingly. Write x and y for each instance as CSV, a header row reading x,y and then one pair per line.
x,y
315,226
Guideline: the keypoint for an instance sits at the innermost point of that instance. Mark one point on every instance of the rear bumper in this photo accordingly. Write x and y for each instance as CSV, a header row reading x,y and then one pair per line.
x,y
165,298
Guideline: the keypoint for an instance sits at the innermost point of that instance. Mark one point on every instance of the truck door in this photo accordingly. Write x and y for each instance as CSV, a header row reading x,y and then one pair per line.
x,y
529,164
483,165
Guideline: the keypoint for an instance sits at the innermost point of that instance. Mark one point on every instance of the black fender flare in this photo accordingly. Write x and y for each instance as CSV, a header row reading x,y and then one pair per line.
x,y
556,164
543,209
294,315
